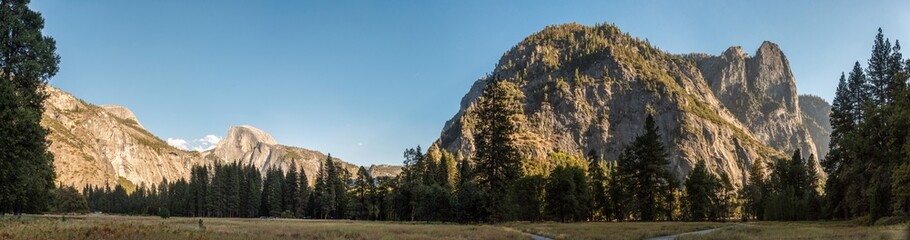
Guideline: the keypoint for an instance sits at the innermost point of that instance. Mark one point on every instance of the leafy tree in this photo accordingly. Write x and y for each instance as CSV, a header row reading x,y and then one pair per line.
x,y
68,200
568,195
901,188
497,156
527,196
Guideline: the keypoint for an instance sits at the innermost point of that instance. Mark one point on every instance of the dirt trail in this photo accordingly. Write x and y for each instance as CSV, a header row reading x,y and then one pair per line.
x,y
706,231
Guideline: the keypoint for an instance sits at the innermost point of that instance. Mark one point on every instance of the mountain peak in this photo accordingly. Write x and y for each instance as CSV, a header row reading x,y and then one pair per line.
x,y
734,52
250,134
121,112
770,49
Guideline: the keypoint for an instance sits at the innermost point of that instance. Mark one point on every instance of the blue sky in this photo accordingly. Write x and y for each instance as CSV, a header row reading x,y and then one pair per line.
x,y
365,80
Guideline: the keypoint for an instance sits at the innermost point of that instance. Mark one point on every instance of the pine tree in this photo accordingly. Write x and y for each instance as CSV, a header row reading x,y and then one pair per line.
x,y
859,93
621,191
290,191
528,197
599,182
303,195
703,191
469,198
27,61
568,195
756,191
497,156
879,70
363,199
199,188
654,181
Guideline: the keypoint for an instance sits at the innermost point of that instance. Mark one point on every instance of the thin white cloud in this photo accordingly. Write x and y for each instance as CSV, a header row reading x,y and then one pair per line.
x,y
201,145
209,139
178,143
201,149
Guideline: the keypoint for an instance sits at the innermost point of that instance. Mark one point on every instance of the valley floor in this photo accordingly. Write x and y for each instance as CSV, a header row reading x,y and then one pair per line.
x,y
131,227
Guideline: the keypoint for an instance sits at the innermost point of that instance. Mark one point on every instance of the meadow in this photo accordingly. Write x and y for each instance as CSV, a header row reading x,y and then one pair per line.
x,y
135,227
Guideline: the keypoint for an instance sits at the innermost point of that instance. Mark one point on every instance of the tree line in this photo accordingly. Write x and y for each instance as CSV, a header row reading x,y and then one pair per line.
x,y
869,163
868,166
435,185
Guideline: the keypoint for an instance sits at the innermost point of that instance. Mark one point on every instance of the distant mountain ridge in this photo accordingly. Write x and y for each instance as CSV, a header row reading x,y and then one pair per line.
x,y
590,88
107,145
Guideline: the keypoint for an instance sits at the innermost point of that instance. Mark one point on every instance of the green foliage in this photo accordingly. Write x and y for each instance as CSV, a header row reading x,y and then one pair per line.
x,y
869,148
164,213
646,184
756,191
497,155
704,191
601,180
330,198
364,200
568,194
793,191
527,196
469,200
27,60
69,200
900,186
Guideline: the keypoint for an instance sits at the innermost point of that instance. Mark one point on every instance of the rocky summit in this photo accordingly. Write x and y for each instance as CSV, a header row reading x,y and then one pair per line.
x,y
106,145
590,88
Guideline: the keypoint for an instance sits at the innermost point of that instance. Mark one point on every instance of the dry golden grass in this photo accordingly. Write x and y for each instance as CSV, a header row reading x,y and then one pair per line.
x,y
134,228
805,230
612,230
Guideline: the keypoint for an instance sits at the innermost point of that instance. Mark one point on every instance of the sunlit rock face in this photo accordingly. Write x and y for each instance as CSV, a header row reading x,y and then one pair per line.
x,y
106,146
590,88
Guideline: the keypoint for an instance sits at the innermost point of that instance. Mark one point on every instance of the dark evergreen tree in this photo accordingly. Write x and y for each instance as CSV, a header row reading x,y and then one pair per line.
x,y
303,195
199,179
27,60
649,177
497,156
600,180
469,198
756,191
703,194
290,191
528,197
363,195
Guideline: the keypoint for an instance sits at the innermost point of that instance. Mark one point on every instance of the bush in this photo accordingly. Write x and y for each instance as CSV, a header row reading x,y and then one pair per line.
x,y
863,221
885,221
164,213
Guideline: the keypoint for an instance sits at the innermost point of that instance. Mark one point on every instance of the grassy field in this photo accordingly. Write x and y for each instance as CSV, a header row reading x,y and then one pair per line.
x,y
134,228
612,230
805,230
123,227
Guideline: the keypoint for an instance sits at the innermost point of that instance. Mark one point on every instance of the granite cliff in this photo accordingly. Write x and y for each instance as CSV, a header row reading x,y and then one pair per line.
x,y
590,88
106,145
